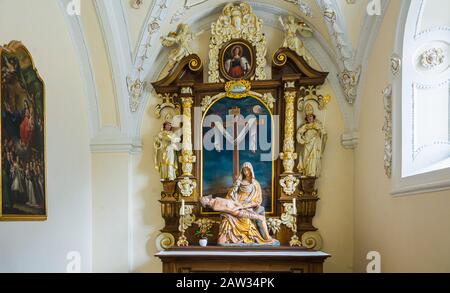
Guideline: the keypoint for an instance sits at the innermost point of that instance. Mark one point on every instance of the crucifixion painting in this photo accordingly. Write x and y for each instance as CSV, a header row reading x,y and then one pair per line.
x,y
237,131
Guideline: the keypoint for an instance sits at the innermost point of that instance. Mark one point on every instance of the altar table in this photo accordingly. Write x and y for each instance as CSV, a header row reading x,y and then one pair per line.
x,y
215,259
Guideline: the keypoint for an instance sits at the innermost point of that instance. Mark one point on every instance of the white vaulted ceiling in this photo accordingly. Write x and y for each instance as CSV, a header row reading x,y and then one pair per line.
x,y
116,42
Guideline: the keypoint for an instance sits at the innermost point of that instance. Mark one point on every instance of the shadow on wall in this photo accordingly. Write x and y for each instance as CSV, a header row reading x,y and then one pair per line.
x,y
147,214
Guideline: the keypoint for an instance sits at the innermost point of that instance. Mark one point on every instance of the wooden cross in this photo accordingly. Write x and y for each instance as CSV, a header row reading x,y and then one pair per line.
x,y
236,112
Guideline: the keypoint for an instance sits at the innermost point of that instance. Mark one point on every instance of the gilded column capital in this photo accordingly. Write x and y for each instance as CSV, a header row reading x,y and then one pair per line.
x,y
187,103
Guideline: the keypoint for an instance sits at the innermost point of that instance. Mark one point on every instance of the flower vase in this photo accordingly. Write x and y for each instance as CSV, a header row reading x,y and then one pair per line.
x,y
203,242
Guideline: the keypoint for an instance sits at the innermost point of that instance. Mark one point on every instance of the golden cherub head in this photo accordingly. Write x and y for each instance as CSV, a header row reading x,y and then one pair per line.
x,y
309,109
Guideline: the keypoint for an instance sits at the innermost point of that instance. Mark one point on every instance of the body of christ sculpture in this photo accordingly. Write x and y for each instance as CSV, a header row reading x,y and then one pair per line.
x,y
243,221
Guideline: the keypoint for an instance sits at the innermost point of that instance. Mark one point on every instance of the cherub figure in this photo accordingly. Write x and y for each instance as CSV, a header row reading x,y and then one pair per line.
x,y
291,41
180,40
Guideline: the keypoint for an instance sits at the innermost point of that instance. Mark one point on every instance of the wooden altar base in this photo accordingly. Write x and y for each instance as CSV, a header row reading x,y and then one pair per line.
x,y
216,259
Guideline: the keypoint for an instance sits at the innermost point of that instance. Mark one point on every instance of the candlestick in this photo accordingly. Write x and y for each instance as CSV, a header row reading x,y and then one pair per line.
x,y
182,208
294,203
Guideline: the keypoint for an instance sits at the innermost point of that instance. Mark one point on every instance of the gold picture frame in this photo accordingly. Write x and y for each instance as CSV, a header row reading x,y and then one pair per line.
x,y
23,184
237,60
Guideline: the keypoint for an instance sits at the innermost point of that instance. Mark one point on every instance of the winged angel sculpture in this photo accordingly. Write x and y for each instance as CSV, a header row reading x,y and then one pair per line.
x,y
180,41
291,41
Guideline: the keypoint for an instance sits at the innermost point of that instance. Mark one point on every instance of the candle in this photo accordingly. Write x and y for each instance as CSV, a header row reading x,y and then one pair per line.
x,y
182,208
294,204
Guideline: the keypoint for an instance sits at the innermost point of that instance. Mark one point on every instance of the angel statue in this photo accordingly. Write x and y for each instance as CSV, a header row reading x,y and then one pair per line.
x,y
291,40
180,40
166,147
243,217
313,137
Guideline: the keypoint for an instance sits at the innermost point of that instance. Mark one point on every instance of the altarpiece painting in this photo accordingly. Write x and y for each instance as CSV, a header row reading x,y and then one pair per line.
x,y
23,188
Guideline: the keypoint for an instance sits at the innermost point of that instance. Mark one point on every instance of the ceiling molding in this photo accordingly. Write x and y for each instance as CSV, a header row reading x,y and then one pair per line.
x,y
367,37
115,33
84,58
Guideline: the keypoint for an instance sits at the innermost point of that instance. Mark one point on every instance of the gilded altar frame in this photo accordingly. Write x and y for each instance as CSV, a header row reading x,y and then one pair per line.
x,y
289,73
187,90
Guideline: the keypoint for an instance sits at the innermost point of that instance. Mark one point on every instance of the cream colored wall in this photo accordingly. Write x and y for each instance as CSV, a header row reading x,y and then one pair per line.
x,y
411,232
100,64
43,246
111,206
335,209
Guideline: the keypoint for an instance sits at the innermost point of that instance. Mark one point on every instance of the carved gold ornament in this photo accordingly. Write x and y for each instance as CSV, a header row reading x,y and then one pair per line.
x,y
310,94
186,219
164,241
312,240
274,225
238,89
167,103
186,186
289,218
288,155
237,22
208,100
289,184
295,241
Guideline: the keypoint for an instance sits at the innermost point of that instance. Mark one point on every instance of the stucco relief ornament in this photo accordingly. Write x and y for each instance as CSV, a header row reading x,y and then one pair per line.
x,y
289,184
387,129
186,186
349,81
180,40
396,63
237,22
303,6
136,4
432,58
135,89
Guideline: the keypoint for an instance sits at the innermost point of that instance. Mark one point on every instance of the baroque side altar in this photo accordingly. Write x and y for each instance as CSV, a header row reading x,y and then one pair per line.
x,y
239,154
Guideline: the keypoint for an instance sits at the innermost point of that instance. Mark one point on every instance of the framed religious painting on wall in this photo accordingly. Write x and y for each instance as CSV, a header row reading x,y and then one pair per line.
x,y
237,60
23,178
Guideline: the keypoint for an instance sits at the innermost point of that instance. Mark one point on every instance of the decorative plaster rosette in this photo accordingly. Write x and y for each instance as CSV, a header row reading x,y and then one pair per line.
x,y
432,58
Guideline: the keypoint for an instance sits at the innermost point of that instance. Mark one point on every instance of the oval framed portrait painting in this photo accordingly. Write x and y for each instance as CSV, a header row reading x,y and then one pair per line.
x,y
237,60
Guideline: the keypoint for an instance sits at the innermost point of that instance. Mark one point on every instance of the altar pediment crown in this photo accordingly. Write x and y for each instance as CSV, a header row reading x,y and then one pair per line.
x,y
237,22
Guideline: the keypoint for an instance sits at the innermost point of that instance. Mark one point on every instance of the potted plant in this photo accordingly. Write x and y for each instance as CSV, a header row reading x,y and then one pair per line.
x,y
203,231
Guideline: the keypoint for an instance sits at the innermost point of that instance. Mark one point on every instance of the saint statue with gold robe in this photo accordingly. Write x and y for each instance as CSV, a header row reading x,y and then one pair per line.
x,y
243,218
311,135
166,147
